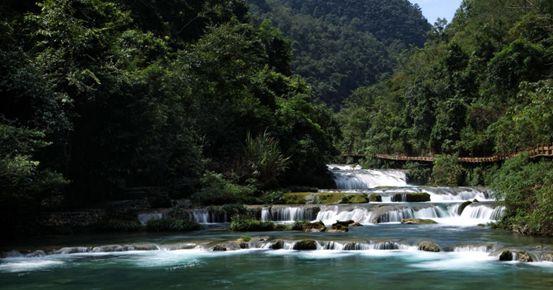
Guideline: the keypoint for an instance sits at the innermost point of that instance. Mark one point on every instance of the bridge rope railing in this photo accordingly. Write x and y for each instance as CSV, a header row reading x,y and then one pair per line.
x,y
539,151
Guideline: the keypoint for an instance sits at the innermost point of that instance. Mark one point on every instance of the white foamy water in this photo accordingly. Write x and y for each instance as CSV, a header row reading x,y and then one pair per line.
x,y
446,214
354,177
27,264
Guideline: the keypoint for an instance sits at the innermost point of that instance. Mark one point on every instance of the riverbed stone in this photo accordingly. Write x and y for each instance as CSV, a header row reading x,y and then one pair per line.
x,y
506,256
374,197
352,246
71,250
415,221
547,257
314,227
35,254
108,248
305,245
462,206
411,197
145,247
429,246
277,245
338,227
524,256
219,248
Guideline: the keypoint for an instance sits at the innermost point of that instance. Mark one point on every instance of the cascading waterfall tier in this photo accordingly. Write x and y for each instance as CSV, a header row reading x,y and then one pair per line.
x,y
288,213
354,177
441,213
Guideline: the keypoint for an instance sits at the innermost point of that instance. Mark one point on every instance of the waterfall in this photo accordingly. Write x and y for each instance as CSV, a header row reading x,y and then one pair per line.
x,y
353,177
265,214
396,215
144,218
205,216
330,214
446,213
475,211
288,214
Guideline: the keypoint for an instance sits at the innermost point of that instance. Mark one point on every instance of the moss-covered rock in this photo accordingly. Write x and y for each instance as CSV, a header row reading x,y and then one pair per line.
x,y
428,246
305,245
252,225
374,197
329,197
354,198
297,197
309,227
411,197
418,221
338,227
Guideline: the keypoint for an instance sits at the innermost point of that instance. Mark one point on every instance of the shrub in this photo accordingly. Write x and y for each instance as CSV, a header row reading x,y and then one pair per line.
x,y
262,160
171,225
417,173
526,188
252,225
216,190
447,171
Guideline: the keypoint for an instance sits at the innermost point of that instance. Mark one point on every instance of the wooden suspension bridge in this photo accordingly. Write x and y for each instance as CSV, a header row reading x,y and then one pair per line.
x,y
539,151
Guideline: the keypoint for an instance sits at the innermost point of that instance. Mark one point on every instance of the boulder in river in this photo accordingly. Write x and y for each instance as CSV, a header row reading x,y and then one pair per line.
x,y
506,256
219,248
338,227
109,248
547,257
145,247
521,256
314,227
277,245
524,256
411,197
36,254
305,245
415,221
72,250
462,206
373,197
429,246
352,246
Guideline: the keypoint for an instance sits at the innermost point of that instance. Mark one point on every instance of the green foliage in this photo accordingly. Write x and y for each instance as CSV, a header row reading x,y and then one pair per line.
x,y
341,45
251,225
447,171
121,96
417,173
262,160
469,91
216,190
529,122
526,188
24,184
171,225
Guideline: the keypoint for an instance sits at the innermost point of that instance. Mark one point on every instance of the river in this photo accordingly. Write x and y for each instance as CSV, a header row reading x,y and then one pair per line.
x,y
382,253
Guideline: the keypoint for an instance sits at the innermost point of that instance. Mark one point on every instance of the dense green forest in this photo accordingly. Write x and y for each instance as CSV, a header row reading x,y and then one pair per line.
x,y
104,100
102,97
481,85
340,45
